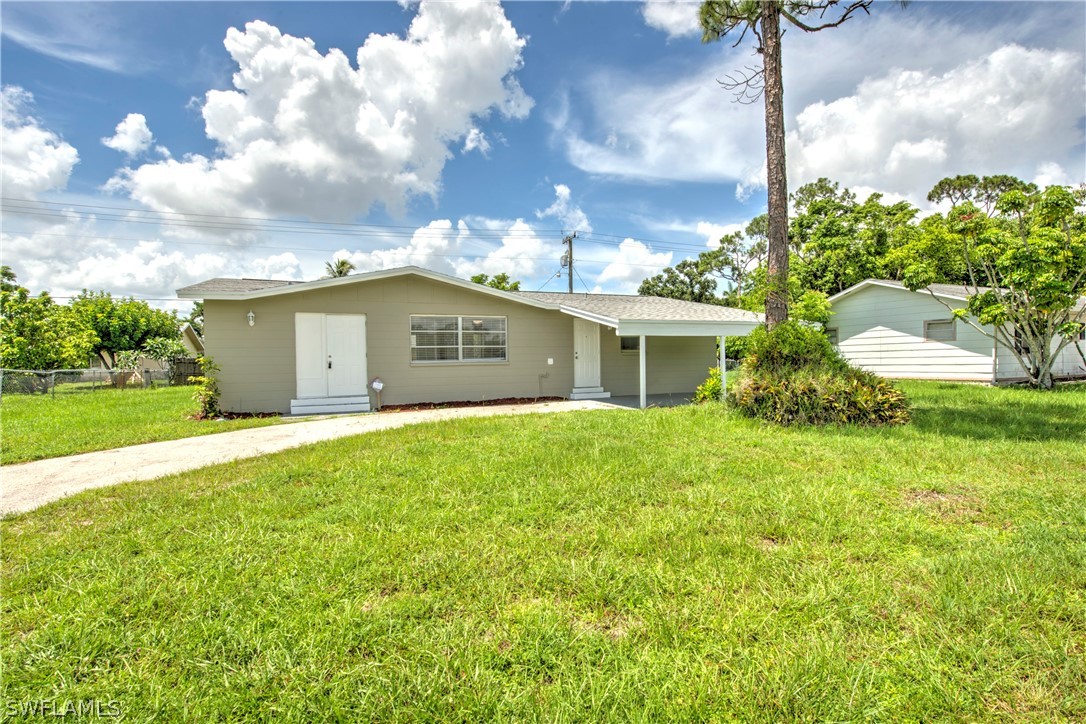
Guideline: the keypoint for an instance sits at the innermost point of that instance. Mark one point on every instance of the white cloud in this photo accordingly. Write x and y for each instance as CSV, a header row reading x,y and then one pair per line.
x,y
571,215
675,17
634,263
132,136
83,33
905,130
307,134
869,110
476,140
467,248
714,232
277,266
35,159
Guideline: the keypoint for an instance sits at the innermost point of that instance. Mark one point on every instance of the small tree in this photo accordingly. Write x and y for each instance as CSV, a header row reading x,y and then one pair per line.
x,y
498,281
36,333
122,324
688,280
166,351
338,268
1027,273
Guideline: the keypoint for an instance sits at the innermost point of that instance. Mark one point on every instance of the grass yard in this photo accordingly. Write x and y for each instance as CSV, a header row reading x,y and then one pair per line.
x,y
34,427
674,564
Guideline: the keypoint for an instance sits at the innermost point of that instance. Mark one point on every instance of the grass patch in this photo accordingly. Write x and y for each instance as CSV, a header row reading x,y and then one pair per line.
x,y
35,427
672,564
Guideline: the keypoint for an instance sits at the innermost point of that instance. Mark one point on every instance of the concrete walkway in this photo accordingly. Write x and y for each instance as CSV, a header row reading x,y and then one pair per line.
x,y
28,485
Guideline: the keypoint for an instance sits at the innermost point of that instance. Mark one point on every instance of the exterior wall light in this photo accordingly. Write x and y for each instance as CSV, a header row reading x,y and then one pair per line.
x,y
251,317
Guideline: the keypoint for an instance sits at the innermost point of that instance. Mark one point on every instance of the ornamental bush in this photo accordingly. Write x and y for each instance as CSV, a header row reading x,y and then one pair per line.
x,y
709,390
793,375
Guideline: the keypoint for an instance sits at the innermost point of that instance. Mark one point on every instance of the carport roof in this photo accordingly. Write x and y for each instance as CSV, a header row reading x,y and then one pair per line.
x,y
632,307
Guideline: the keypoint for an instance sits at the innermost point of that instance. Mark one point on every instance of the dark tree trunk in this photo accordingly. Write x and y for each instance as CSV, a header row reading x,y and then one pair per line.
x,y
776,304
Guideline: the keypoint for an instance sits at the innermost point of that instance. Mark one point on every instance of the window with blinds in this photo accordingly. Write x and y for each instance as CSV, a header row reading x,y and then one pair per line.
x,y
940,330
458,339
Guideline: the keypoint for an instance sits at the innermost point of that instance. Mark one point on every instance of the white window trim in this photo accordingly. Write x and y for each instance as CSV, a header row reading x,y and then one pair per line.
x,y
459,341
637,348
953,329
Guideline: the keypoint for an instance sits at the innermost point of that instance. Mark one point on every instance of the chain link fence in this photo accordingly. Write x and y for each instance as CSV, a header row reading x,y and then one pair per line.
x,y
54,382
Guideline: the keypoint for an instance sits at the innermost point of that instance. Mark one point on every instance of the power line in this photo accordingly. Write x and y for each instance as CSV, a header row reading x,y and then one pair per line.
x,y
54,209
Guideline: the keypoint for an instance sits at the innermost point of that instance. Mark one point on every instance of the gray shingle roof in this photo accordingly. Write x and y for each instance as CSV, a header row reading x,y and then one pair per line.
x,y
633,307
625,307
233,286
957,291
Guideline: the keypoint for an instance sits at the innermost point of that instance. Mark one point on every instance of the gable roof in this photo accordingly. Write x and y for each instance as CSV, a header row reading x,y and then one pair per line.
x,y
947,291
628,314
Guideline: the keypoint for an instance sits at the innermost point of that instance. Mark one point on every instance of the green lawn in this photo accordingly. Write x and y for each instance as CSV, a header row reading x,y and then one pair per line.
x,y
668,565
34,427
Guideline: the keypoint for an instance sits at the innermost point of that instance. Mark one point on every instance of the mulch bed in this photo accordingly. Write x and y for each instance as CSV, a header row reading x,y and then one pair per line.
x,y
468,403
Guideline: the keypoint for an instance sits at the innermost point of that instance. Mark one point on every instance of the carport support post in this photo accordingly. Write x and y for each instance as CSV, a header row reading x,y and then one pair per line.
x,y
644,375
723,372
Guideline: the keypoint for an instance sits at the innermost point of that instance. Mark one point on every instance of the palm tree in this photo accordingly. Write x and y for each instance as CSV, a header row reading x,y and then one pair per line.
x,y
338,268
762,18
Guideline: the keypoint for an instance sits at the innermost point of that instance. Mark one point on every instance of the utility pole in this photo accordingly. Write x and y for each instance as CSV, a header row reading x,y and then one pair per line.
x,y
567,258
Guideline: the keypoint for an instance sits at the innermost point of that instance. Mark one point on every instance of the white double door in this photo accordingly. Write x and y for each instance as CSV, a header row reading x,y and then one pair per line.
x,y
330,351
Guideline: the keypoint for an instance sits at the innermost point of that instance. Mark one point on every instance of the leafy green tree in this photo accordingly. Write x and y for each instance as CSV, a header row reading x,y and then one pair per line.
x,y
984,192
840,242
338,268
121,324
36,333
498,281
932,241
196,317
1026,266
687,280
7,279
737,257
762,19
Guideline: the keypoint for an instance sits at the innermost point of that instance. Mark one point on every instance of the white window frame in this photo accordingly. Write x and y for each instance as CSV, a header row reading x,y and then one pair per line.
x,y
460,330
953,330
636,349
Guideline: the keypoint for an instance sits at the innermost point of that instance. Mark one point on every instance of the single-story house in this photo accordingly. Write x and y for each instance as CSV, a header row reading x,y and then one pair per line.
x,y
882,326
319,346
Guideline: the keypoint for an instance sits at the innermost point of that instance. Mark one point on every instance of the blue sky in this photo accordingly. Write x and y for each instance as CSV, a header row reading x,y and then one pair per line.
x,y
468,138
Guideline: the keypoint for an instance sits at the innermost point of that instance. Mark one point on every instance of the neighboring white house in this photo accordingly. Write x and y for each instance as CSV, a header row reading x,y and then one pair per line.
x,y
884,327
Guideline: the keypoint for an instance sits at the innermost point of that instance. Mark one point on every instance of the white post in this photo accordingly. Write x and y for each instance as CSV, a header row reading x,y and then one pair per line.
x,y
644,374
723,371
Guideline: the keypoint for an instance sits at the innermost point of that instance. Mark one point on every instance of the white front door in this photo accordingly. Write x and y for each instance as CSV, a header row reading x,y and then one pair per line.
x,y
586,353
330,352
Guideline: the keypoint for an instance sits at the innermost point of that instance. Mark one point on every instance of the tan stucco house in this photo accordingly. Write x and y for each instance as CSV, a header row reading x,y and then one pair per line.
x,y
304,347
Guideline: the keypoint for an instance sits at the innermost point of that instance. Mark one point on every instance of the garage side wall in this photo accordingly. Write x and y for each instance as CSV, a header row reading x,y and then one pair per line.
x,y
258,362
882,330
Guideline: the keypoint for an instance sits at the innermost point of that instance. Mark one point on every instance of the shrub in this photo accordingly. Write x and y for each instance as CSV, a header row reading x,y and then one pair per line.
x,y
793,375
207,389
709,390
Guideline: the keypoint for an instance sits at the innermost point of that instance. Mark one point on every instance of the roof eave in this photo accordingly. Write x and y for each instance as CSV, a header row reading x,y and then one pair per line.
x,y
359,278
882,283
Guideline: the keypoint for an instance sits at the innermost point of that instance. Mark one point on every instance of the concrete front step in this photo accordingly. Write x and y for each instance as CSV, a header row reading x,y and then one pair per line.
x,y
589,393
330,405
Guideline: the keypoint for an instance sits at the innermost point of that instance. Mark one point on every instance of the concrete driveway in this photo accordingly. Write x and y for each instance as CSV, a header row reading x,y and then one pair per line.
x,y
28,485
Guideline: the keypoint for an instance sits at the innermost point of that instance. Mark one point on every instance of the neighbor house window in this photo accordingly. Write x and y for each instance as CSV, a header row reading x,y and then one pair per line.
x,y
940,330
457,339
629,344
832,335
